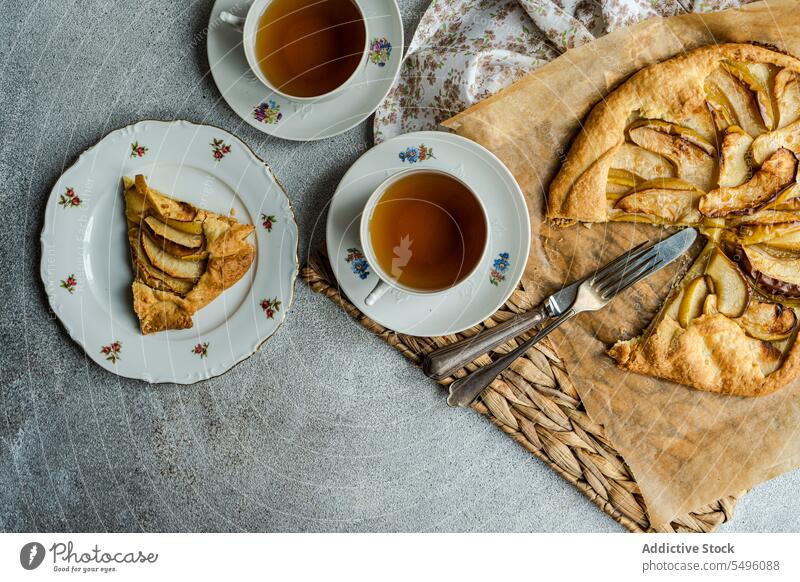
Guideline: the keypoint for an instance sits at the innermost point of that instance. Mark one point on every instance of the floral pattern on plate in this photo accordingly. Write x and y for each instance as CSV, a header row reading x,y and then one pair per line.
x,y
112,351
499,268
358,263
270,306
268,221
201,350
70,283
69,199
267,112
380,50
219,149
137,150
412,154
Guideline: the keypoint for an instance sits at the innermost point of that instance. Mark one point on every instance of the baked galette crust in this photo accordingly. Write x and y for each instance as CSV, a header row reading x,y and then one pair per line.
x,y
708,139
672,90
167,300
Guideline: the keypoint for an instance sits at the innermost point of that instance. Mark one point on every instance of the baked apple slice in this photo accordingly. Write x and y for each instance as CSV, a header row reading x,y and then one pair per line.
x,y
163,205
693,157
775,175
624,178
750,234
756,77
725,91
173,234
641,162
767,144
768,321
776,272
620,183
176,250
722,112
788,240
170,264
134,206
730,286
686,134
669,199
765,216
188,226
148,273
616,191
694,298
787,96
734,159
788,200
768,356
710,304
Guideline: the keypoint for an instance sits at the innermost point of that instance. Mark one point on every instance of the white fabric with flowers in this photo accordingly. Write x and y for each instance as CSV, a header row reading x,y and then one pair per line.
x,y
465,50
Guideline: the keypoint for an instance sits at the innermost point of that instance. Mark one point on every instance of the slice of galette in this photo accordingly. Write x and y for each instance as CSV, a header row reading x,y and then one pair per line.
x,y
183,257
719,330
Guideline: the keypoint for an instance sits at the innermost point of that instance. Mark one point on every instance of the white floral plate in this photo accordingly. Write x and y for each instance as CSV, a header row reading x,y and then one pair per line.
x,y
86,267
509,234
305,121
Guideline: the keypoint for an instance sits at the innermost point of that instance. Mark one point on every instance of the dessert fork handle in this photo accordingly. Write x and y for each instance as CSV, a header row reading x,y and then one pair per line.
x,y
442,362
465,390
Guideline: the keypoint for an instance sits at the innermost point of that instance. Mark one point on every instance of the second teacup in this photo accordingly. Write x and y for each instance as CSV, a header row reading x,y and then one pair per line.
x,y
304,49
423,231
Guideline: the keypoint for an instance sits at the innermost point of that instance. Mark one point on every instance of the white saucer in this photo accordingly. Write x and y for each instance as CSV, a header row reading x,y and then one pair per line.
x,y
86,266
487,289
281,117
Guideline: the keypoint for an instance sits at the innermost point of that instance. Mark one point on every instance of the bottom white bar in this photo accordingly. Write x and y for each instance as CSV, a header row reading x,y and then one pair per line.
x,y
379,557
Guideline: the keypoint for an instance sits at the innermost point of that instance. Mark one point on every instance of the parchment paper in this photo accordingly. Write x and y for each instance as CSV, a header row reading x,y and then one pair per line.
x,y
685,447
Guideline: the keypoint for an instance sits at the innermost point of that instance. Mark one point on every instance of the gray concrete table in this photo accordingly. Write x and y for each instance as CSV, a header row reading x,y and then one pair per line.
x,y
326,428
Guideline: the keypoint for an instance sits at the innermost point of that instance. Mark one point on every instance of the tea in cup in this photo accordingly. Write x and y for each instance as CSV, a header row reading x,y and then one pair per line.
x,y
304,49
423,232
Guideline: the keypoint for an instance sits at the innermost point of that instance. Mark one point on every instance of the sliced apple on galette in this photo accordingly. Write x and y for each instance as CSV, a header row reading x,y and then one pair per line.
x,y
716,333
776,175
669,199
708,139
183,257
735,165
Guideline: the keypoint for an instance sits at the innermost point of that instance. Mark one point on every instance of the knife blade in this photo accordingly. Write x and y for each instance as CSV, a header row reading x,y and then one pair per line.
x,y
594,294
667,250
444,361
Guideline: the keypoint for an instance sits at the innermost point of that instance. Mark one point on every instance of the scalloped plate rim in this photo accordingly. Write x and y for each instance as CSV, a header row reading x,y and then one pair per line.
x,y
252,347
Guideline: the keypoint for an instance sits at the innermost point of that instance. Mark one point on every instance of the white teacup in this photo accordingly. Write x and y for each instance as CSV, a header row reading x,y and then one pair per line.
x,y
385,280
249,27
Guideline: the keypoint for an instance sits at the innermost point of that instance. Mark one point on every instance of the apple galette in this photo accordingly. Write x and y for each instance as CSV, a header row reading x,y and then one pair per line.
x,y
183,257
707,139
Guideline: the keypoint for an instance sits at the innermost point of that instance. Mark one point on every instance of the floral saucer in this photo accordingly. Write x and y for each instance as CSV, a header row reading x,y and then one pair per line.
x,y
305,121
86,266
481,294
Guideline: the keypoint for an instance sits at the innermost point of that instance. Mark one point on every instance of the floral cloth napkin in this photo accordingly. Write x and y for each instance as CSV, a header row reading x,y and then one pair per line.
x,y
465,50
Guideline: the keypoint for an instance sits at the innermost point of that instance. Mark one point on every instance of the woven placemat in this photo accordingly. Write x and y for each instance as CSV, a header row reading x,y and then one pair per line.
x,y
536,404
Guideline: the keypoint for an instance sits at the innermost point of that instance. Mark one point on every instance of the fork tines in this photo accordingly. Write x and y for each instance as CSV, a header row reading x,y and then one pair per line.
x,y
626,270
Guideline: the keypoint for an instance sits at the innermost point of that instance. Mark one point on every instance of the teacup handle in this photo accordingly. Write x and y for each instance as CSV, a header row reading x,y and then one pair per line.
x,y
232,19
377,292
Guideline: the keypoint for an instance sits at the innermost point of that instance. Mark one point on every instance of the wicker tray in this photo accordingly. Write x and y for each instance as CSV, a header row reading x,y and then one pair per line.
x,y
536,404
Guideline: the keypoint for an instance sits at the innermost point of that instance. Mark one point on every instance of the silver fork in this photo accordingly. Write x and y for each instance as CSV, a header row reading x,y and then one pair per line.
x,y
593,294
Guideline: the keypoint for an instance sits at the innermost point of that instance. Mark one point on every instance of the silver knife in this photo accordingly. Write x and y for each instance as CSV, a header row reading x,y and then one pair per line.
x,y
445,361
594,293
